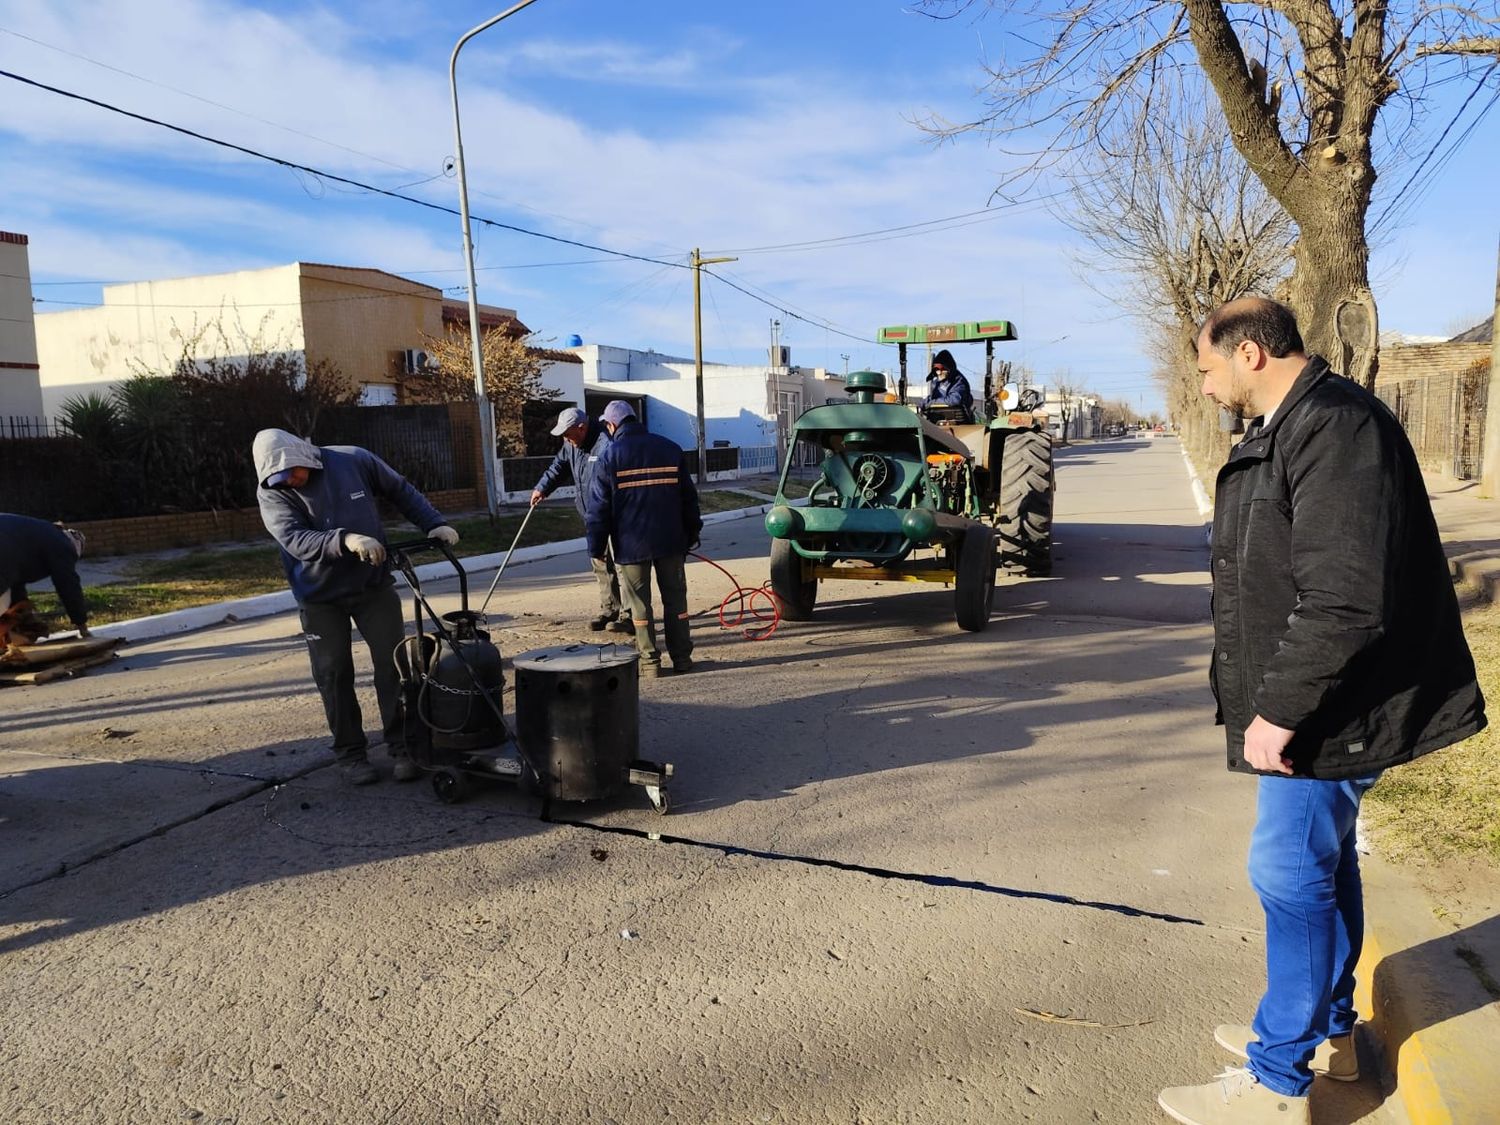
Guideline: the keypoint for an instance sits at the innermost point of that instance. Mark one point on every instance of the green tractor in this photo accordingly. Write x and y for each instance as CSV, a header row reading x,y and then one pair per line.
x,y
904,496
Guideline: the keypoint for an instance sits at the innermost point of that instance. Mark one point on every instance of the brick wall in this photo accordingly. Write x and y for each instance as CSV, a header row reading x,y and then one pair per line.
x,y
238,525
1413,361
180,529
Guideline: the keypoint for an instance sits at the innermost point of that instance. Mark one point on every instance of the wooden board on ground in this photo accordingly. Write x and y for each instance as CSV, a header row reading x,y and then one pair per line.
x,y
54,652
56,671
39,663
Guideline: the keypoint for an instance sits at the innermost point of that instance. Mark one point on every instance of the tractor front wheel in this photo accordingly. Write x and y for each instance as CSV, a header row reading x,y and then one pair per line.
x,y
974,585
1024,517
796,592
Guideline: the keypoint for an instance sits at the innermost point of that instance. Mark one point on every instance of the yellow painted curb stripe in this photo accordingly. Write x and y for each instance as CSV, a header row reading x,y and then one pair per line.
x,y
1415,1083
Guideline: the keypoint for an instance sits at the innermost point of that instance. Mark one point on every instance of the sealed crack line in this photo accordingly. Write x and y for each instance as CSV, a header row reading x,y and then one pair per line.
x,y
160,830
882,872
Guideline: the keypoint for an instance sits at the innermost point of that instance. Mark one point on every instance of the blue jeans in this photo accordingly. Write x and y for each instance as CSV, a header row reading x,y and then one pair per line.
x,y
1304,868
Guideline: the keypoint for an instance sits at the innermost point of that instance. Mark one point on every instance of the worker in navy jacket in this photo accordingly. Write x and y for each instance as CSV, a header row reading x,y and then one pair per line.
x,y
33,550
584,442
644,502
946,385
322,506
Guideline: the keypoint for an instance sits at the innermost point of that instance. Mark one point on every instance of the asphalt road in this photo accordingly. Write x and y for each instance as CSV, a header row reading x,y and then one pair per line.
x,y
911,874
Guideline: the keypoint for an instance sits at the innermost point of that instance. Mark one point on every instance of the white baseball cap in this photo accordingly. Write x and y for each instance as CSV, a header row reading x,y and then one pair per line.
x,y
569,418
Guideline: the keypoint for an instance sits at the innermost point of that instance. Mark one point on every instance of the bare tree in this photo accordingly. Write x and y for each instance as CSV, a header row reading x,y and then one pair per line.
x,y
1301,85
1174,221
512,378
1067,393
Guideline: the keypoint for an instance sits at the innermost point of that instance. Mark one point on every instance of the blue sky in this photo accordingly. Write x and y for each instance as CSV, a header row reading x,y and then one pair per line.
x,y
648,128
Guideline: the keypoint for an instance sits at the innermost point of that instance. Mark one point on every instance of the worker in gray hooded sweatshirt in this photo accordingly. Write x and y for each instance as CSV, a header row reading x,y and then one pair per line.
x,y
321,505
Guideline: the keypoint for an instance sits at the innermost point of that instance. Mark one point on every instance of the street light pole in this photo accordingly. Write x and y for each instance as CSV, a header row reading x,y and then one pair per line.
x,y
698,262
482,398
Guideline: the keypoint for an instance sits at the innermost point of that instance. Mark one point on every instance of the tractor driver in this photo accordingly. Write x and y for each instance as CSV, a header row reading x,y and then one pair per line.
x,y
946,386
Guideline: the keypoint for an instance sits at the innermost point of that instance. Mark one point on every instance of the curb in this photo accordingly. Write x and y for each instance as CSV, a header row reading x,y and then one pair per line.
x,y
267,605
1479,571
1436,1023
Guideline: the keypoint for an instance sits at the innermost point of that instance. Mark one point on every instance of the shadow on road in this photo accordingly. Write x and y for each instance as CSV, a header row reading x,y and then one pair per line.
x,y
307,822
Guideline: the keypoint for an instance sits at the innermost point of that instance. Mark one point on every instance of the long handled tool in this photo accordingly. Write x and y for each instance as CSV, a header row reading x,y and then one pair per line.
x,y
506,561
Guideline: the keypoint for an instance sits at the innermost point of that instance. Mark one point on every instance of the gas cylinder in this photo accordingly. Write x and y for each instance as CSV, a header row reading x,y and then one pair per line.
x,y
462,673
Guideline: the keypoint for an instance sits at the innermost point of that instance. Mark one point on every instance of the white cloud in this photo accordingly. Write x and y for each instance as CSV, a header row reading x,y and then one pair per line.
x,y
800,156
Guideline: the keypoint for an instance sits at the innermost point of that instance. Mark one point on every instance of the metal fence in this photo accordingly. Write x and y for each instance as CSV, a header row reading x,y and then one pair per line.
x,y
22,429
1443,415
419,442
759,459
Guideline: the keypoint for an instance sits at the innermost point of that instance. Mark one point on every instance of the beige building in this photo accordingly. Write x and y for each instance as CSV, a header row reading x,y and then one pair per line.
x,y
372,324
20,388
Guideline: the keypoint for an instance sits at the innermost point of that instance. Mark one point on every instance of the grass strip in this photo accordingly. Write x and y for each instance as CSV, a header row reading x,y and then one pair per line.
x,y
1443,805
205,575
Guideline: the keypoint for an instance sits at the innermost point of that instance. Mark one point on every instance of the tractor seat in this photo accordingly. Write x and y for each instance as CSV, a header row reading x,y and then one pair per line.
x,y
948,415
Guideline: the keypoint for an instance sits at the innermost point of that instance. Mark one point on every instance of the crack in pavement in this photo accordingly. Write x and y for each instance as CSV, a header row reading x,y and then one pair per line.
x,y
889,873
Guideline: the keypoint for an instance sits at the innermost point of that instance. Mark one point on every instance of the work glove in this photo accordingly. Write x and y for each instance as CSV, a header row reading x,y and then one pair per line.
x,y
367,547
444,535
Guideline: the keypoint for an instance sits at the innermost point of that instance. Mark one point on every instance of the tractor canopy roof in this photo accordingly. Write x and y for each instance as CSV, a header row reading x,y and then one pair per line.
x,y
962,332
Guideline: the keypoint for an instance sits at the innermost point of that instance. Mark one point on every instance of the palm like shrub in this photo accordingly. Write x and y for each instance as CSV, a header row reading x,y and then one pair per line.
x,y
93,419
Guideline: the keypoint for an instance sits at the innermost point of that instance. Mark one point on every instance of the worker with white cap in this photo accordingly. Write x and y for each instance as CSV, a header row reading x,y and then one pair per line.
x,y
584,441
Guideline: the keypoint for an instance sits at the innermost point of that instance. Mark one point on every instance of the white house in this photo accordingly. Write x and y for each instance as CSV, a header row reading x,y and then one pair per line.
x,y
744,405
1083,412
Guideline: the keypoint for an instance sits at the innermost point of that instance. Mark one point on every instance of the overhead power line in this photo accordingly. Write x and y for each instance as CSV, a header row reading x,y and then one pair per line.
x,y
392,194
329,176
887,234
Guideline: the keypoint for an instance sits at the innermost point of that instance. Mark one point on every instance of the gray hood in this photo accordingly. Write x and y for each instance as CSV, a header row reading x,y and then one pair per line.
x,y
276,451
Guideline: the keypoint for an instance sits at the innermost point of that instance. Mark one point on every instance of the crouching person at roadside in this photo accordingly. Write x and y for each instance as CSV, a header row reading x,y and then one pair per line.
x,y
321,505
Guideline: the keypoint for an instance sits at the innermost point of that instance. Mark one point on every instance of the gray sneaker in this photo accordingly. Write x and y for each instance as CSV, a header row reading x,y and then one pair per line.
x,y
1334,1058
650,670
358,771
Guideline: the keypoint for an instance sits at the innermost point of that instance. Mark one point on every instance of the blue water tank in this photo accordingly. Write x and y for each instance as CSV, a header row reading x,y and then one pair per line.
x,y
575,341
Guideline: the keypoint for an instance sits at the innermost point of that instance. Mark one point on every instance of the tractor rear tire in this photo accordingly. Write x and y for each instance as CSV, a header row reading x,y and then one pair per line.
x,y
796,592
1024,518
974,585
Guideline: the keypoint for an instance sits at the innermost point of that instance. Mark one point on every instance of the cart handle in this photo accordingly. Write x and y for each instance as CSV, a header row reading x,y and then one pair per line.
x,y
400,550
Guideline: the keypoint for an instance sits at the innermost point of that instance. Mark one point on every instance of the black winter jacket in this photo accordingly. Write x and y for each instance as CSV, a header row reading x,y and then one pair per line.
x,y
32,550
1334,613
643,498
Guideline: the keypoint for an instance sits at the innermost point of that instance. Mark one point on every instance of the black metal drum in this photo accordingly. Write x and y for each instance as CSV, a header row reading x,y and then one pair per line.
x,y
577,717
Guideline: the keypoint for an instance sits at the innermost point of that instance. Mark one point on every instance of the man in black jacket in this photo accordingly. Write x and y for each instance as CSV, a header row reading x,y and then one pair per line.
x,y
33,550
584,442
643,501
1338,652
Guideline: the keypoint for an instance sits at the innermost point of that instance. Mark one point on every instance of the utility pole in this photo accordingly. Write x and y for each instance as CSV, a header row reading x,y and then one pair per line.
x,y
476,340
698,262
845,357
1489,477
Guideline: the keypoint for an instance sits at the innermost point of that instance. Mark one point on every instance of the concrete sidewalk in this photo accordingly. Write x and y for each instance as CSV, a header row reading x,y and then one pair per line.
x,y
1470,526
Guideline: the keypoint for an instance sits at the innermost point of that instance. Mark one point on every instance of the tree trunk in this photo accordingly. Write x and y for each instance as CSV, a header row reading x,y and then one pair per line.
x,y
1330,291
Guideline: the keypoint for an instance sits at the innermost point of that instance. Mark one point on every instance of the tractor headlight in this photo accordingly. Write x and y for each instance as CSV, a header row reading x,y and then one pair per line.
x,y
783,522
917,525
